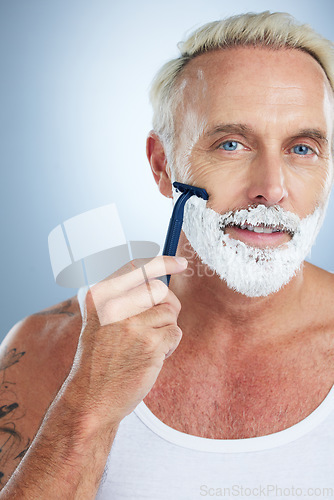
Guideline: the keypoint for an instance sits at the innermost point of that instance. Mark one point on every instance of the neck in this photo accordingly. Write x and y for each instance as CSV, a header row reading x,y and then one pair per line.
x,y
215,315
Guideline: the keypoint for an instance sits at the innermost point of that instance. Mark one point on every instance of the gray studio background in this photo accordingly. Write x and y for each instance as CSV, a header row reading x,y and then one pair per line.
x,y
74,119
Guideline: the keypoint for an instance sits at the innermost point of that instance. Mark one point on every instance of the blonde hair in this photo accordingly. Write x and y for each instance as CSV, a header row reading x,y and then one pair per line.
x,y
274,30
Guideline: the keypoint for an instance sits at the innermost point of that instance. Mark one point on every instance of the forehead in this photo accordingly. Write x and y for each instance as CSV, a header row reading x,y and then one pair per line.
x,y
283,82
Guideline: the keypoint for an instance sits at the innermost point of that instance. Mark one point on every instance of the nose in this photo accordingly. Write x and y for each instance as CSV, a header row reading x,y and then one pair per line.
x,y
266,180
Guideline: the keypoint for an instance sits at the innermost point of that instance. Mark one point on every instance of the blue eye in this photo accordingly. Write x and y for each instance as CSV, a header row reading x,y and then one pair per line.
x,y
301,149
229,145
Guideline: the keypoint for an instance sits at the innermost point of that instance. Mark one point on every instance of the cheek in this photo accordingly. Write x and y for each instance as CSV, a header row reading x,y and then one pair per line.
x,y
308,187
213,172
225,183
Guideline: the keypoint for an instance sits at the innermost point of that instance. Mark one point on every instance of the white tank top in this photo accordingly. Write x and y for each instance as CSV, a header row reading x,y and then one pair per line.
x,y
150,460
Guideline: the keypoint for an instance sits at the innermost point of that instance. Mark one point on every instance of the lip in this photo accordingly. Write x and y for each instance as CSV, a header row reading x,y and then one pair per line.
x,y
257,239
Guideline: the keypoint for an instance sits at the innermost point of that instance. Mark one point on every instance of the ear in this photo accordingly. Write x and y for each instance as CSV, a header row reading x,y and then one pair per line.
x,y
161,171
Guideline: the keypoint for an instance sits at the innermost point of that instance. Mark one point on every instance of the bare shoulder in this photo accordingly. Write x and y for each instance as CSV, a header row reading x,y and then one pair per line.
x,y
35,359
47,341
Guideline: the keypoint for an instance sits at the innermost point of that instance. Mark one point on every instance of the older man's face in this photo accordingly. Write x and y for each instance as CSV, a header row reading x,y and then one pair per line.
x,y
256,128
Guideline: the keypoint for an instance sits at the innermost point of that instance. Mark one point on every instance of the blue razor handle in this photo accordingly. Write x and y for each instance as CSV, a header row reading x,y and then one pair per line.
x,y
176,220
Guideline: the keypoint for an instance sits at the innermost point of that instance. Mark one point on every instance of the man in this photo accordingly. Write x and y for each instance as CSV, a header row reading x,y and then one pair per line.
x,y
243,403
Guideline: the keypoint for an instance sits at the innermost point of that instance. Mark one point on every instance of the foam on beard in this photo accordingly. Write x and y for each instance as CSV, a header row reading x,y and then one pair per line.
x,y
251,271
273,217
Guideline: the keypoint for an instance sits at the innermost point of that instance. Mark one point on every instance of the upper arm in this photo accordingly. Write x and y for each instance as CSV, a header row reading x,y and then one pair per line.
x,y
14,437
35,358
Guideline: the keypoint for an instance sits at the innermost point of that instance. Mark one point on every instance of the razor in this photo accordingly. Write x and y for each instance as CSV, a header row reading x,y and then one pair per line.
x,y
176,220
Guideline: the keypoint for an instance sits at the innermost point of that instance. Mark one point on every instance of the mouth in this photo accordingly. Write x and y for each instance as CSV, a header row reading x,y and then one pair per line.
x,y
260,235
261,228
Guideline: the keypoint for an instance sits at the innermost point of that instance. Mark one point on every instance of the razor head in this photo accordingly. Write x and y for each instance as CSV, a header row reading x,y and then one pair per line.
x,y
184,188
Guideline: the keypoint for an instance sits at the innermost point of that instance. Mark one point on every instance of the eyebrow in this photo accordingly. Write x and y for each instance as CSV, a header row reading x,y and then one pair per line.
x,y
241,128
315,133
230,127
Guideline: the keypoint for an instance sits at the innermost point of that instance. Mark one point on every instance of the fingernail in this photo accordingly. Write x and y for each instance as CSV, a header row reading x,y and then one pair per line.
x,y
182,261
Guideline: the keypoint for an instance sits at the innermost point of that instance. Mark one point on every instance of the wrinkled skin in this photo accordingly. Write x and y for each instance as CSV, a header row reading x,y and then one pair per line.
x,y
277,94
281,99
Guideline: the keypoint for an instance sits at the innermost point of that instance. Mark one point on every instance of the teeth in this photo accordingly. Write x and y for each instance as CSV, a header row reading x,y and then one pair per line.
x,y
259,229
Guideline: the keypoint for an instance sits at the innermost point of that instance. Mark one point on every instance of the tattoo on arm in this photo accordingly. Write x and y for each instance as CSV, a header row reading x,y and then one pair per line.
x,y
57,310
12,445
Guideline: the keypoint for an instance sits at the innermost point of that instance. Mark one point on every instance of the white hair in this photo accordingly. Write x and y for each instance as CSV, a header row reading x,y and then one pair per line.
x,y
273,30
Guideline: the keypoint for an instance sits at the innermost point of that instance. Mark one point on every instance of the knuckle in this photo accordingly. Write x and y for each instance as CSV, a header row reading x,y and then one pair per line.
x,y
168,308
131,331
150,341
174,331
158,284
158,287
130,325
136,323
153,341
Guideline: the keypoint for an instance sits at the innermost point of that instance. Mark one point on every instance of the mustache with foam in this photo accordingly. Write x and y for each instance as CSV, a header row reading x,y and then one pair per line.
x,y
273,217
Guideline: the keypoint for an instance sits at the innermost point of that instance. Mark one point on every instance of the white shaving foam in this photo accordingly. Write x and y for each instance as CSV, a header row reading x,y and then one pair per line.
x,y
249,270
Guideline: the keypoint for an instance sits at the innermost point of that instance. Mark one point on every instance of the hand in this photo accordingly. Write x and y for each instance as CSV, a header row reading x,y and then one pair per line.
x,y
130,329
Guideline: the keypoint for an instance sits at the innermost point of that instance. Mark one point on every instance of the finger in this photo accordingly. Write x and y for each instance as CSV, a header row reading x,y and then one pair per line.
x,y
137,301
158,316
135,273
172,335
